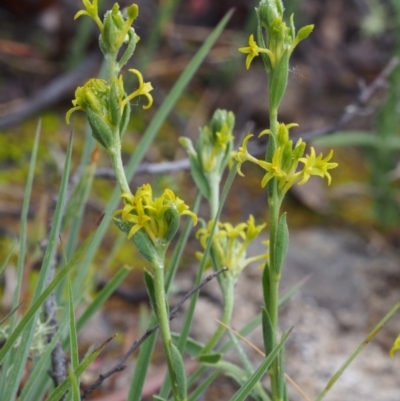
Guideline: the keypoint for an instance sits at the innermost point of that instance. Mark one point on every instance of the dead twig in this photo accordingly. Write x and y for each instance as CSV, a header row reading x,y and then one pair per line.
x,y
149,168
359,106
52,93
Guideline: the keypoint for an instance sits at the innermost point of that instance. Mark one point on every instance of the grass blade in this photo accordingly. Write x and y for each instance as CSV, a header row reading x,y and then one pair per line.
x,y
39,375
189,315
199,390
7,259
37,304
246,389
58,392
72,329
365,342
28,327
22,246
102,297
74,386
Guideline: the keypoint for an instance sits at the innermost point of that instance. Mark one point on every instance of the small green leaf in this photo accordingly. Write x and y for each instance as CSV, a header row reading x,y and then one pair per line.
x,y
268,332
110,34
266,283
149,281
126,115
130,48
143,243
303,33
193,347
172,218
279,81
59,391
180,372
348,138
114,103
211,359
282,243
100,129
199,178
158,398
246,389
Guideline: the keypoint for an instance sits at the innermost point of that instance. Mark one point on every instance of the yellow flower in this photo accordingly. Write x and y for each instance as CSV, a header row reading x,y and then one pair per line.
x,y
396,346
273,169
316,165
253,50
144,89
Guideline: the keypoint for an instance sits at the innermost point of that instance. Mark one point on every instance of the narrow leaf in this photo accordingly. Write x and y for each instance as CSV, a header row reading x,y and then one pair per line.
x,y
179,371
72,328
211,359
347,138
282,243
7,259
149,281
37,304
279,80
246,389
102,297
58,392
19,359
268,333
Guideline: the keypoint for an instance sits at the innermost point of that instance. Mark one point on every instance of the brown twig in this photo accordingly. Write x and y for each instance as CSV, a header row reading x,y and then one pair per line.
x,y
49,95
119,366
149,168
359,106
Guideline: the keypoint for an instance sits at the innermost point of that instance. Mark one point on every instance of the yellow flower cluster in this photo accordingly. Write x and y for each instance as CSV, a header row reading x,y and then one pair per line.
x,y
153,215
281,40
230,244
115,26
97,95
285,161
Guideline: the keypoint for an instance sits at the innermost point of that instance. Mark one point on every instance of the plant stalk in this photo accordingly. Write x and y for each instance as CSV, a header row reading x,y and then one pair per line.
x,y
163,321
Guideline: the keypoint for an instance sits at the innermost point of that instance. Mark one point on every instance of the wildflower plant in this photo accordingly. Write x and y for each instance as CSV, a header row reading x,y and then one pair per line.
x,y
284,164
151,222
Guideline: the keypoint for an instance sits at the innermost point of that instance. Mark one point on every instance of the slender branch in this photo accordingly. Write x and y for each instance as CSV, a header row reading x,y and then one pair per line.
x,y
53,92
119,366
150,168
359,105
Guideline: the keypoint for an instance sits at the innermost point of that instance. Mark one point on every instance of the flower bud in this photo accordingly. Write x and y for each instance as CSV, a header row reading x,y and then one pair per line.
x,y
268,11
172,219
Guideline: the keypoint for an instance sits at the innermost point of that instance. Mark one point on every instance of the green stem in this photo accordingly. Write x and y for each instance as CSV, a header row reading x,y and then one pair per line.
x,y
116,161
214,181
163,321
228,296
274,203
